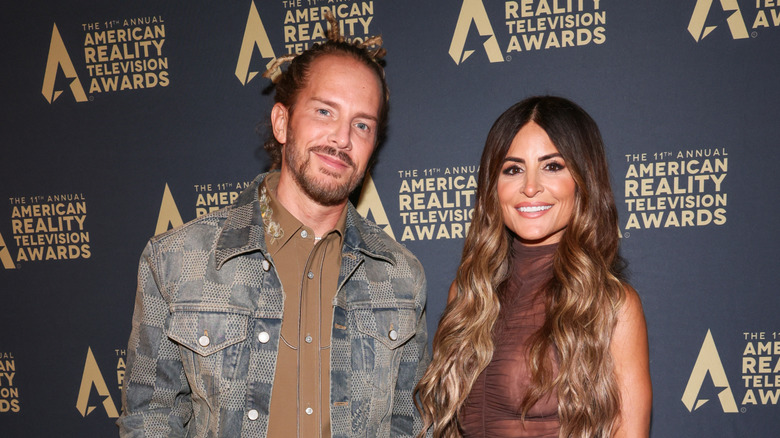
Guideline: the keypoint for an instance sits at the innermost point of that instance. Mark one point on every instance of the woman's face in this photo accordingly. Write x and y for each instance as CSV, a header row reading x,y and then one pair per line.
x,y
535,189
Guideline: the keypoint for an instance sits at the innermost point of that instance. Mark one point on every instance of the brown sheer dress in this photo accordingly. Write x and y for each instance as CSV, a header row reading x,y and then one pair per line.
x,y
492,409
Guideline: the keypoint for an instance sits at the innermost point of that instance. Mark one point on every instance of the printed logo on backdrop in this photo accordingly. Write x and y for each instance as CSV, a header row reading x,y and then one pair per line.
x,y
169,216
370,205
119,54
5,255
303,24
473,12
208,197
712,15
93,381
60,59
676,189
214,196
708,363
9,392
757,381
436,203
46,228
525,26
254,36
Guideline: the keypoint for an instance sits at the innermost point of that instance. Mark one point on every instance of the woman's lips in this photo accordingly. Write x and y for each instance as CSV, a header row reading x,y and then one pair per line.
x,y
533,211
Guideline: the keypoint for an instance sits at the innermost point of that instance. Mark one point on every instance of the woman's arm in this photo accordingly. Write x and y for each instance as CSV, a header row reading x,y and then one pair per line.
x,y
629,351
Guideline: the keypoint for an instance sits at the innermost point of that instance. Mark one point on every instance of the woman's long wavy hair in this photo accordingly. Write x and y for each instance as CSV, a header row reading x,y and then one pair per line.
x,y
581,300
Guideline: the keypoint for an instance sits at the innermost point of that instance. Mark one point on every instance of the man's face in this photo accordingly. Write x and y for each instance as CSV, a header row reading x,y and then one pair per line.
x,y
331,134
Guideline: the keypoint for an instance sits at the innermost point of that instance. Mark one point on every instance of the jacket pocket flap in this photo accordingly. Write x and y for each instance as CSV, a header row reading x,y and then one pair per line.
x,y
390,326
206,332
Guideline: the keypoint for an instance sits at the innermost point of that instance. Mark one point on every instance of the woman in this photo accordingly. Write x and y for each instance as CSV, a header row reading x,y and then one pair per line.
x,y
540,336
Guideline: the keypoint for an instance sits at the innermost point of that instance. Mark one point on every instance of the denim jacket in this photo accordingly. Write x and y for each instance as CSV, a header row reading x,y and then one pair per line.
x,y
208,313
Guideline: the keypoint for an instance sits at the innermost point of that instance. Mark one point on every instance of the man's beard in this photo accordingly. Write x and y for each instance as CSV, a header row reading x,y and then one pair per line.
x,y
322,193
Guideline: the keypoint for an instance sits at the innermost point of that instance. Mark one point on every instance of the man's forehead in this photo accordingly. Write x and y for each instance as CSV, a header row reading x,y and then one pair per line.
x,y
338,61
339,70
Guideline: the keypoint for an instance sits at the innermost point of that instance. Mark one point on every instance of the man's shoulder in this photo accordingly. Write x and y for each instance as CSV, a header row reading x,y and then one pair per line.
x,y
205,228
200,229
398,248
377,239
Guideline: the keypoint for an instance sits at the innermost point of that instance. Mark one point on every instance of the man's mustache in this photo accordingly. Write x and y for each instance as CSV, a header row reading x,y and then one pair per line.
x,y
333,152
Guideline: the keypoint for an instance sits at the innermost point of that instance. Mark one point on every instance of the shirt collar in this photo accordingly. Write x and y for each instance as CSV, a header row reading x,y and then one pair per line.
x,y
288,224
243,229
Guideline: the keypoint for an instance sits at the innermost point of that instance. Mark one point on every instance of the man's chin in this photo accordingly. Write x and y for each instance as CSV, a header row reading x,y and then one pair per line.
x,y
324,172
327,191
327,179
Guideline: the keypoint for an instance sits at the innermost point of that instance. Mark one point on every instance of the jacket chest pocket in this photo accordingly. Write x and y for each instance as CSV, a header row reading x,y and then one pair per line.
x,y
380,333
211,345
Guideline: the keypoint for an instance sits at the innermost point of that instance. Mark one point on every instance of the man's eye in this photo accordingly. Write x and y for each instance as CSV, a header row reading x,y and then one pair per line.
x,y
323,112
362,126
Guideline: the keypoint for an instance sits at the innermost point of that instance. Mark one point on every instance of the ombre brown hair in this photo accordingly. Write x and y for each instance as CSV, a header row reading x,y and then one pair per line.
x,y
581,300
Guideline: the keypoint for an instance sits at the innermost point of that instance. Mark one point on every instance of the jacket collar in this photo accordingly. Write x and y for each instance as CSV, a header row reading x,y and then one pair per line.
x,y
243,231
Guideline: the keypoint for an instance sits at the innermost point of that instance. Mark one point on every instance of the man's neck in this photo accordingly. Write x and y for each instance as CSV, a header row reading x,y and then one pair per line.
x,y
318,217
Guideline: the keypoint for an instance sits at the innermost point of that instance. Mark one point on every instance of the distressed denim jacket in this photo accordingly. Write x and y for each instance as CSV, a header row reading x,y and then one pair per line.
x,y
208,313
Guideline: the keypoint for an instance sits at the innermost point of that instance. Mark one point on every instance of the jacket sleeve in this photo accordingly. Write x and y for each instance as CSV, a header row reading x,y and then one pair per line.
x,y
155,395
415,357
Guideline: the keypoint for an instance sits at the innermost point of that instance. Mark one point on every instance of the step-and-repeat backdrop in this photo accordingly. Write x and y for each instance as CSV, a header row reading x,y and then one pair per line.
x,y
122,119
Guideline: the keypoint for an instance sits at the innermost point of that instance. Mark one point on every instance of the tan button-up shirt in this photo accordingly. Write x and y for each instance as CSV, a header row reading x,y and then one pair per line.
x,y
308,268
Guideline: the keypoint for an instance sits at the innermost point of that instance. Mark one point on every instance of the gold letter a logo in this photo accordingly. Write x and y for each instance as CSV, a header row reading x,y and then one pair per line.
x,y
58,57
708,362
370,206
736,23
5,255
93,377
254,36
169,214
474,10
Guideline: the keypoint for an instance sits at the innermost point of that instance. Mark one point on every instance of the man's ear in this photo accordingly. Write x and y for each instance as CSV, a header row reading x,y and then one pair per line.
x,y
279,120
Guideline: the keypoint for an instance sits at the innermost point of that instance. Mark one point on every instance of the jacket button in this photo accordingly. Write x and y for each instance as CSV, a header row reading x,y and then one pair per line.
x,y
309,411
263,337
253,414
304,234
204,341
393,335
266,265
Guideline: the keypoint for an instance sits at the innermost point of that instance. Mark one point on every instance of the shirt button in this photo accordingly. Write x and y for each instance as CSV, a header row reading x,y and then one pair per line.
x,y
309,411
204,341
304,234
266,265
263,337
393,335
308,339
310,275
253,414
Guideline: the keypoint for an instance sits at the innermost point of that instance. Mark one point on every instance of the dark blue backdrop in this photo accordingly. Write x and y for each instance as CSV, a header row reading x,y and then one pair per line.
x,y
118,116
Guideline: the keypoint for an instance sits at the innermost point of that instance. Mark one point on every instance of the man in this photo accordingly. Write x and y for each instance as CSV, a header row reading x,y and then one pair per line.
x,y
286,314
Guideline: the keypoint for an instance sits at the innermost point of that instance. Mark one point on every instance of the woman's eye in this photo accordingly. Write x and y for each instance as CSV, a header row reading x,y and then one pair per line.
x,y
512,170
554,166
